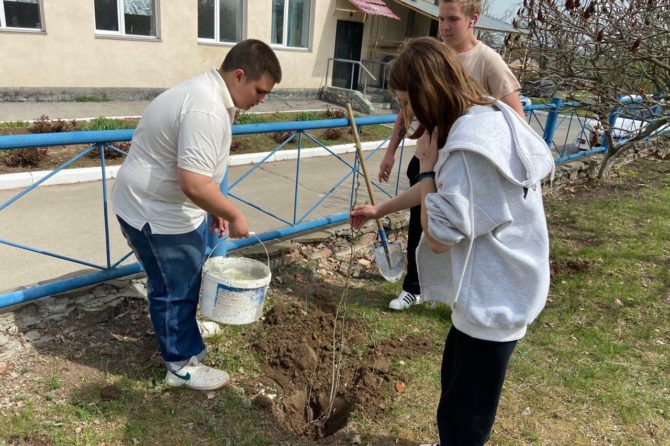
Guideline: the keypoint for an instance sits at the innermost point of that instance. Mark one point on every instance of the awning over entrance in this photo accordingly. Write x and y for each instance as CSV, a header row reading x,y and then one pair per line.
x,y
429,9
374,7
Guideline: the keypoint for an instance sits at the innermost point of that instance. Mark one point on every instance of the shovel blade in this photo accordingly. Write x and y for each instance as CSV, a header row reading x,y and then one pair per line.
x,y
392,264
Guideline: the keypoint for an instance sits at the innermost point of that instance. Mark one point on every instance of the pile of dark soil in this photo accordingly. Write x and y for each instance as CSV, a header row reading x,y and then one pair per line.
x,y
323,367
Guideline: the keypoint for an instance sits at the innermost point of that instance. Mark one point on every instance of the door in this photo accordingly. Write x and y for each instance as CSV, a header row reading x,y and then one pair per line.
x,y
348,42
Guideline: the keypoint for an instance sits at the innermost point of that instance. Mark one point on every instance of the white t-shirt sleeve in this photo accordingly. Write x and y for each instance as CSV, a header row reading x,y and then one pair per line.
x,y
201,136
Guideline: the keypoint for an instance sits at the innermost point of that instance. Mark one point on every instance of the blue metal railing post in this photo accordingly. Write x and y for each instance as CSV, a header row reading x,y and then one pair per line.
x,y
214,243
297,179
552,121
103,177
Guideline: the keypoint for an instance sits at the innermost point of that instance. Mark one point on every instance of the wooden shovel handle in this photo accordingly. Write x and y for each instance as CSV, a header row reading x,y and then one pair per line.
x,y
359,151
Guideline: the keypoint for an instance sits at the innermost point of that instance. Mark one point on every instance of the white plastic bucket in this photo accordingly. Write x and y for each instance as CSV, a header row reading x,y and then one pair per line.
x,y
233,289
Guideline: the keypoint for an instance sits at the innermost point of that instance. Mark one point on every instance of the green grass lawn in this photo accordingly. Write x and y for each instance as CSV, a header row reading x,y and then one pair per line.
x,y
594,369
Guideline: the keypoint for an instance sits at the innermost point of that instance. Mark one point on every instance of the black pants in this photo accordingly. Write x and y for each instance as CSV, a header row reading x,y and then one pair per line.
x,y
411,282
473,372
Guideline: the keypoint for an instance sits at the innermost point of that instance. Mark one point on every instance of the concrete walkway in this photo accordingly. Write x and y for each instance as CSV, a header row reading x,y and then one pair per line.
x,y
28,111
69,220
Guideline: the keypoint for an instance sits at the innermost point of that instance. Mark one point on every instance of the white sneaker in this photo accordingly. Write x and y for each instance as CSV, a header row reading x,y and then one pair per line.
x,y
404,301
198,376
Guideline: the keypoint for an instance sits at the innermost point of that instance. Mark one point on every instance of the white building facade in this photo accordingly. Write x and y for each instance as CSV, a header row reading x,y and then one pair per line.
x,y
154,44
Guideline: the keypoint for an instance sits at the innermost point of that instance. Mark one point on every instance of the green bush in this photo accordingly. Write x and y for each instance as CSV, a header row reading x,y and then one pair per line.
x,y
101,123
308,116
110,153
250,118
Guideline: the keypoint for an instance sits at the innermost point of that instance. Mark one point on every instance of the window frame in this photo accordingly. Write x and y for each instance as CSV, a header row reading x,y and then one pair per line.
x,y
284,46
217,26
3,20
121,21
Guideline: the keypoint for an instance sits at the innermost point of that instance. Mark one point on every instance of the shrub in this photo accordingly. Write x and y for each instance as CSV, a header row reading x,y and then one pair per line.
x,y
102,123
240,145
280,137
332,134
308,116
102,98
44,125
333,113
25,157
250,118
110,153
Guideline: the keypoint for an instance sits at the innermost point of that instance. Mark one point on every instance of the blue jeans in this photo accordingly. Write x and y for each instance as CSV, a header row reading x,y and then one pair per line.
x,y
173,265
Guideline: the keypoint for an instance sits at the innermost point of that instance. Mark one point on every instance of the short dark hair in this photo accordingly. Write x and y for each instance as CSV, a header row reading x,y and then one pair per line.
x,y
256,58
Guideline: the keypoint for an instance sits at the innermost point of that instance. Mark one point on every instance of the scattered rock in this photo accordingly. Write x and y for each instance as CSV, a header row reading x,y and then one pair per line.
x,y
320,253
364,263
33,335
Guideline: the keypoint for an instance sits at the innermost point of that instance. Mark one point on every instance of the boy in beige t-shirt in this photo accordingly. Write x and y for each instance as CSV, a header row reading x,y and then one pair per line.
x,y
457,19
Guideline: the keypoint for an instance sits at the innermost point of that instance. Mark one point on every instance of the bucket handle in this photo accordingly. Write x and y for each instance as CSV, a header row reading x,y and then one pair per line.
x,y
225,237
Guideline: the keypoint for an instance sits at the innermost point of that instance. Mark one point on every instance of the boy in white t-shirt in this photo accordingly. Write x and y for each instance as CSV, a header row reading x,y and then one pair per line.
x,y
170,182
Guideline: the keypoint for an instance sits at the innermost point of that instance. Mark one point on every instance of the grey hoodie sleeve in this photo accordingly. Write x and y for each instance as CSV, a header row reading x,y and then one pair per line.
x,y
469,188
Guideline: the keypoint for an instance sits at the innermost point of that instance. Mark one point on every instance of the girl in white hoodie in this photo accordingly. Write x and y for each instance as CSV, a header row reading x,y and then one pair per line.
x,y
485,248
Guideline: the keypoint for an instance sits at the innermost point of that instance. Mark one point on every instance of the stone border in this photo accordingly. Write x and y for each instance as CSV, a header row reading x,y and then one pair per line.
x,y
79,94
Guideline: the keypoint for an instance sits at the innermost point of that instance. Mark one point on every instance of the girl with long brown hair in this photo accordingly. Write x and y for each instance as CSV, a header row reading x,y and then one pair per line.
x,y
484,249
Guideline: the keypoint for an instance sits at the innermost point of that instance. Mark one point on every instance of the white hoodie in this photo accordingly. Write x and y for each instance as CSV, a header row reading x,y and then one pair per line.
x,y
488,208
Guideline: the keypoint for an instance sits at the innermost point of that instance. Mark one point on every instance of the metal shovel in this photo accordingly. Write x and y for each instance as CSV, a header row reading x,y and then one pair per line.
x,y
389,256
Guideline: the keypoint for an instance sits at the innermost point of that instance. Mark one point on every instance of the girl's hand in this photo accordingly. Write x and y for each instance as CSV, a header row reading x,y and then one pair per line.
x,y
361,214
426,150
385,167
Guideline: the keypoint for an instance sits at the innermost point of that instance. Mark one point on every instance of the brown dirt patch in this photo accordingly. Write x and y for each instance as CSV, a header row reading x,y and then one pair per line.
x,y
302,353
571,267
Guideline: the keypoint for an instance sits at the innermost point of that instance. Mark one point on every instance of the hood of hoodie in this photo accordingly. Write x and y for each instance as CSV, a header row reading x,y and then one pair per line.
x,y
525,161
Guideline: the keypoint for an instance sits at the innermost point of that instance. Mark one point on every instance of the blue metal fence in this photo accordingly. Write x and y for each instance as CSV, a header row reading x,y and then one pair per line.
x,y
546,116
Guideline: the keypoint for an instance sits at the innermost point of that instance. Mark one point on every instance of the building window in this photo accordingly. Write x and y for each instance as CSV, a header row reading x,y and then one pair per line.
x,y
126,17
290,22
21,14
220,20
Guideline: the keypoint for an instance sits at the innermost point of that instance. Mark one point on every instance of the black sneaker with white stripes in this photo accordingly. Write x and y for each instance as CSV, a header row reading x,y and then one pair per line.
x,y
404,300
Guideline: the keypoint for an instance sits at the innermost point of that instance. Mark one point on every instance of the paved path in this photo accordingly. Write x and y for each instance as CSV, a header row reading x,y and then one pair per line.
x,y
26,111
68,219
